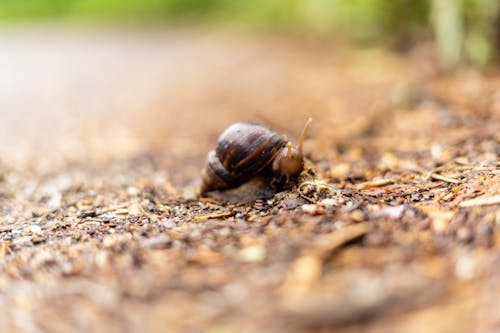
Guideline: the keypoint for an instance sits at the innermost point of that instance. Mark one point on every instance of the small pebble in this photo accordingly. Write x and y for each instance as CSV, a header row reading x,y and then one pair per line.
x,y
33,229
26,240
394,212
132,191
55,201
255,253
310,209
466,267
328,202
464,235
109,241
225,232
158,242
358,216
38,239
168,223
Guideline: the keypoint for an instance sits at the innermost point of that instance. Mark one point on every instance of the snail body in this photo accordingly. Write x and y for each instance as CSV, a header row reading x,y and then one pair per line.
x,y
245,150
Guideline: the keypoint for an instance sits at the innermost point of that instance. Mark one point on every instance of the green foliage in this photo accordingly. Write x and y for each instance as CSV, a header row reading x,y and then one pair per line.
x,y
464,30
104,9
29,8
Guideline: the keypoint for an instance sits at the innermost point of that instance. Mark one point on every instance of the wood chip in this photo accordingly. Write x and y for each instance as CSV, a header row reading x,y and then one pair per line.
x,y
216,215
448,196
376,183
252,218
436,176
481,201
328,243
121,211
462,161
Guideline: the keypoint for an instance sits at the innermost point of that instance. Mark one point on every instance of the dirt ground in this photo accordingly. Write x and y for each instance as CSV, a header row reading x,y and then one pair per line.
x,y
103,133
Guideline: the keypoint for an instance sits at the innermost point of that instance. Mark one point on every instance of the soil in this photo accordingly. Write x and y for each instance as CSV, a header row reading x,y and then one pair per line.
x,y
394,228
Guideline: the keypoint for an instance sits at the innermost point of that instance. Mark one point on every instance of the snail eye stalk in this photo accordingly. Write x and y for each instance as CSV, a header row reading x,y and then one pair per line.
x,y
303,134
289,150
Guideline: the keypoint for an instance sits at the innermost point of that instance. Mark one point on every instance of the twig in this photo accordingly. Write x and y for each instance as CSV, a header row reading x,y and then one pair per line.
x,y
481,201
437,176
376,183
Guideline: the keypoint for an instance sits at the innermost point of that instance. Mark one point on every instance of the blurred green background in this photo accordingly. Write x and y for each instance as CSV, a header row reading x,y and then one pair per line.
x,y
465,31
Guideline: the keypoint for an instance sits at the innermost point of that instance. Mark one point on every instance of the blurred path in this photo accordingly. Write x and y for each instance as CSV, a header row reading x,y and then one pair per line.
x,y
80,94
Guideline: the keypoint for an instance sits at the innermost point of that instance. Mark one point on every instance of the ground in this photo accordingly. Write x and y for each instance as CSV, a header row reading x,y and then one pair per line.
x,y
105,130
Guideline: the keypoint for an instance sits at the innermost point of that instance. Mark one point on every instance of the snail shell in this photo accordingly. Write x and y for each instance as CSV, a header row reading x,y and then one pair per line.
x,y
246,149
243,150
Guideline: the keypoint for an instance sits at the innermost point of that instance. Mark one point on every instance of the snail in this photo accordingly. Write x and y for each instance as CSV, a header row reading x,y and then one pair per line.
x,y
245,150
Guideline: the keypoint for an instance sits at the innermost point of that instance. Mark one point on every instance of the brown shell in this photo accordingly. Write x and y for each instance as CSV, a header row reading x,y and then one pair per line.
x,y
243,150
